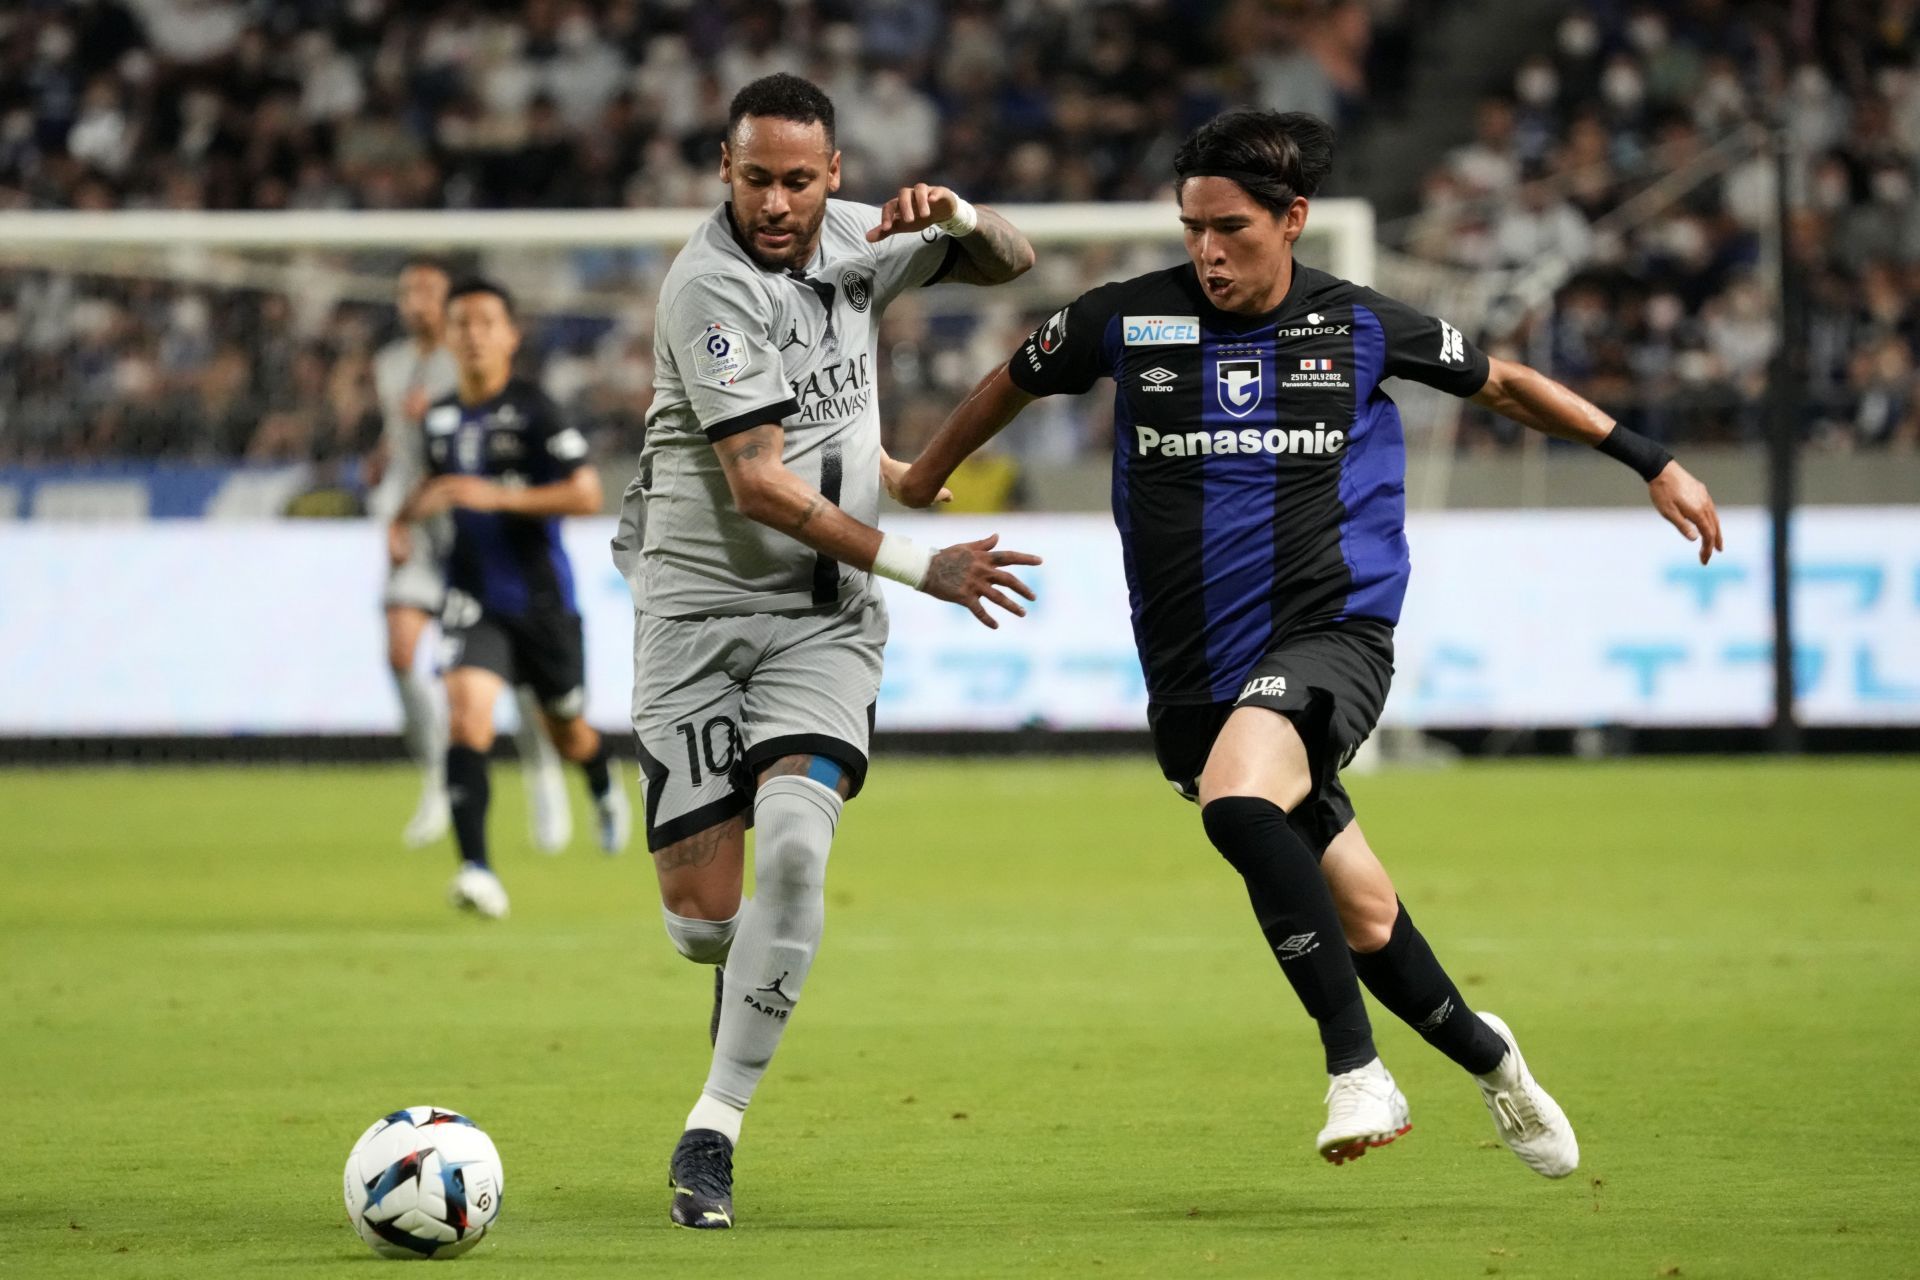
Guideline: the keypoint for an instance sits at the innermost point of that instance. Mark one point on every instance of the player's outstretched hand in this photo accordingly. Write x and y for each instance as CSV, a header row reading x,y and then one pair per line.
x,y
893,474
915,209
1688,507
399,543
970,573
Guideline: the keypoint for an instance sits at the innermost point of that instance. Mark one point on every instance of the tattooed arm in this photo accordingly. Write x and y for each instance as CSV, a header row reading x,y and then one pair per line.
x,y
765,491
994,252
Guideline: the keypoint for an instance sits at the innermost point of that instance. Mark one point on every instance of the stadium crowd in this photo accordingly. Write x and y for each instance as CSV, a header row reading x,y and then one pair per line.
x,y
1635,154
1665,316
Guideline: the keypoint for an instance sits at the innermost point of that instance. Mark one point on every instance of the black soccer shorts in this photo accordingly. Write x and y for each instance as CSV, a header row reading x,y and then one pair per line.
x,y
1331,681
544,649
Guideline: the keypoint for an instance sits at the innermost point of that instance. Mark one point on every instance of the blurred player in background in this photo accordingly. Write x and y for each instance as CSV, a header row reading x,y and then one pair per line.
x,y
502,461
409,374
1259,486
759,632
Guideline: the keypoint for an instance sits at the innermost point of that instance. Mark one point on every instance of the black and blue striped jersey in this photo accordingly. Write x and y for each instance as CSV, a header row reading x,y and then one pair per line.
x,y
511,564
1259,470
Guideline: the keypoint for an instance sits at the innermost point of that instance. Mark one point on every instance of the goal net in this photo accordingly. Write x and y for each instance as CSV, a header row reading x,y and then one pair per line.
x,y
184,343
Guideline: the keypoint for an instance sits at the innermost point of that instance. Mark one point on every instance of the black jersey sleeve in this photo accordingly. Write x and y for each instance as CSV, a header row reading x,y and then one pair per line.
x,y
1065,355
555,450
1426,349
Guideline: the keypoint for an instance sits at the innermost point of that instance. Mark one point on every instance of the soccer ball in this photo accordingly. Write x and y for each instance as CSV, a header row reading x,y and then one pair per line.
x,y
423,1183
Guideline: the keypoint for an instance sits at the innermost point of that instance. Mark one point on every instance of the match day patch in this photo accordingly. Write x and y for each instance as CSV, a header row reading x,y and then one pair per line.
x,y
1161,331
719,355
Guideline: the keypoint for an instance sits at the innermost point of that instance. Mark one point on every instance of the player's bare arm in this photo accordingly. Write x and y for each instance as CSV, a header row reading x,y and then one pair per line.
x,y
577,495
893,472
1537,402
993,250
767,492
988,408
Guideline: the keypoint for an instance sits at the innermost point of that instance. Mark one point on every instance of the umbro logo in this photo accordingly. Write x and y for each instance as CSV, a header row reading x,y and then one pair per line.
x,y
1297,945
1433,1021
1157,379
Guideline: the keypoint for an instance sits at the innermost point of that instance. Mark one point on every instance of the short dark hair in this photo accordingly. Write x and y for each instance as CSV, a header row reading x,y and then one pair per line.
x,y
477,285
783,97
1275,156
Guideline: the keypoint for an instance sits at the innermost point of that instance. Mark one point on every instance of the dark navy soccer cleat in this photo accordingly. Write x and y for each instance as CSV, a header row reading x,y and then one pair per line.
x,y
702,1181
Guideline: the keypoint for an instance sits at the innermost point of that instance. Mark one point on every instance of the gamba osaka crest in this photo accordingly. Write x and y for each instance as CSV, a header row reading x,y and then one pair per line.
x,y
1237,383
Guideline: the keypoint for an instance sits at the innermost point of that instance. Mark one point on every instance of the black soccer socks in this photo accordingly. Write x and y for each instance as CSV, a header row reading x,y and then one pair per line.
x,y
595,767
1406,978
1296,913
467,794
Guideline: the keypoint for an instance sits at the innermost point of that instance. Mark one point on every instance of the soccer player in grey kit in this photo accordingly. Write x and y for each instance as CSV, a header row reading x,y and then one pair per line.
x,y
749,540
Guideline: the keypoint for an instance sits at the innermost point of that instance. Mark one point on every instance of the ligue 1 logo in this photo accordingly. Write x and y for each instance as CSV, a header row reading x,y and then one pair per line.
x,y
1237,383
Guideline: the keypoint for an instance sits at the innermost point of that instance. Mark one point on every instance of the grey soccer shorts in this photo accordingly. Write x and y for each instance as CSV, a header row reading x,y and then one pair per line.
x,y
419,582
717,699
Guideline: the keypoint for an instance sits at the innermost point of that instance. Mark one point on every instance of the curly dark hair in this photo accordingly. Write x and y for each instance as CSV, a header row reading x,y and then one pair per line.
x,y
1275,156
783,97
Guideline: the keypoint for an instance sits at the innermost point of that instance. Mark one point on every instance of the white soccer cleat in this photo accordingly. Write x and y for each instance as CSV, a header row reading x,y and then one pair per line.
x,y
548,814
430,821
1365,1109
614,817
478,890
1526,1117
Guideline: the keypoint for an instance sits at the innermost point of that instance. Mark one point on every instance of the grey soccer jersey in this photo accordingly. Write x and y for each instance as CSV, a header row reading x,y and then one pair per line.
x,y
737,346
398,371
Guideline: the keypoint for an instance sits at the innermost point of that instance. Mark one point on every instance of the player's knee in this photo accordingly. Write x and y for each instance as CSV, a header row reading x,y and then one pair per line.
x,y
795,818
695,898
1222,783
700,940
467,729
1236,824
1366,925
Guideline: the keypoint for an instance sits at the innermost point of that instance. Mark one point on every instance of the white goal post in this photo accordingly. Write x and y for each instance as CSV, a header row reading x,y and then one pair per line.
x,y
1344,226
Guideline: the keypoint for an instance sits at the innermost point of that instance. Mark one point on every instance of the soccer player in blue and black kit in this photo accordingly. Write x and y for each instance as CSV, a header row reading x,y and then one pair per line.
x,y
502,460
1259,482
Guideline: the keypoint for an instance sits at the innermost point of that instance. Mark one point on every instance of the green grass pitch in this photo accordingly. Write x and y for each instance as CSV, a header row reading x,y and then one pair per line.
x,y
1043,1037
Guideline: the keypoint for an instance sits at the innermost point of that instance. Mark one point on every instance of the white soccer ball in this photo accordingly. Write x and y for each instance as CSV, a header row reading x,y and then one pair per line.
x,y
423,1183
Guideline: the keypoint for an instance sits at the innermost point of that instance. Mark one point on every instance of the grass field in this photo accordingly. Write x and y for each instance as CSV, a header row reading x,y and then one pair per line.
x,y
1043,1038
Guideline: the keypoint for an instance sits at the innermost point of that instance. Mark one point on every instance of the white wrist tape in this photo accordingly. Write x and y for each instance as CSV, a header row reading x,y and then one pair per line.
x,y
965,218
903,560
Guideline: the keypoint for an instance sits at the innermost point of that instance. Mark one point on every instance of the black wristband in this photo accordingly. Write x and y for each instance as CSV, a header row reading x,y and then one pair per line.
x,y
1643,455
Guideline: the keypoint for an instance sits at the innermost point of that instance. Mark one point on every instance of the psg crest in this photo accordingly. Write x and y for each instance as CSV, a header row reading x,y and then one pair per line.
x,y
856,286
1237,382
